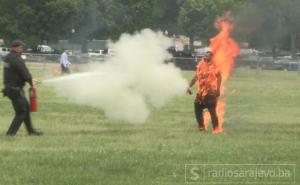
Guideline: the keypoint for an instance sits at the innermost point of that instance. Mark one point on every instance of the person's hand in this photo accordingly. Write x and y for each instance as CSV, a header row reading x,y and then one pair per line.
x,y
189,91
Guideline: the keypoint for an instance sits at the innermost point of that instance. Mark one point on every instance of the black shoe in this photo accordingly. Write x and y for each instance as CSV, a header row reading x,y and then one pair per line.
x,y
35,133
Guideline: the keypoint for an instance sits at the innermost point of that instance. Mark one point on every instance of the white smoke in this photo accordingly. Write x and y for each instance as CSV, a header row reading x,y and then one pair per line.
x,y
121,86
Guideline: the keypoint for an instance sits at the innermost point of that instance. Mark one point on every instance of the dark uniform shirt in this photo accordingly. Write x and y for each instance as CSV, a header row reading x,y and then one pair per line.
x,y
15,71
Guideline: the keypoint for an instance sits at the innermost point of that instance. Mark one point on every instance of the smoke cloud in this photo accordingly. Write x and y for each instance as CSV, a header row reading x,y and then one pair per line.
x,y
121,86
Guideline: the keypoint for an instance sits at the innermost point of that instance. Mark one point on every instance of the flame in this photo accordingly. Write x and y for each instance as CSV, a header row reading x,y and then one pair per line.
x,y
225,49
56,71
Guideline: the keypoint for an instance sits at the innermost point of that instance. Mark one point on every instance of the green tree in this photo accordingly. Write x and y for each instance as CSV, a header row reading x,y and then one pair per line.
x,y
34,20
37,20
132,15
196,17
271,23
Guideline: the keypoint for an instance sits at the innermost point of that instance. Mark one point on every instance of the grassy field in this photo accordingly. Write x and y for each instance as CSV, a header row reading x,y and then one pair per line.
x,y
81,146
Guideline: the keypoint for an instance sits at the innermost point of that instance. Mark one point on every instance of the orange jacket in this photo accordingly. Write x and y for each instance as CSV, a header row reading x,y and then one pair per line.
x,y
206,78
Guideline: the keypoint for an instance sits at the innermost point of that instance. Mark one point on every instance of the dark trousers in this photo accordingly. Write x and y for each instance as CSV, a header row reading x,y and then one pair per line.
x,y
209,102
22,112
64,70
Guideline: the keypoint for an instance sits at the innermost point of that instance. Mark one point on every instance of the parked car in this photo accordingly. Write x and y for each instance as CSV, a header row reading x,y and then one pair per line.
x,y
281,63
4,51
269,63
288,64
44,49
109,52
95,53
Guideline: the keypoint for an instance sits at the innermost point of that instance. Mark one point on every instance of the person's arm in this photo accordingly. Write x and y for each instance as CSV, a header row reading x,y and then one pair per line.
x,y
219,81
65,59
189,89
23,70
67,62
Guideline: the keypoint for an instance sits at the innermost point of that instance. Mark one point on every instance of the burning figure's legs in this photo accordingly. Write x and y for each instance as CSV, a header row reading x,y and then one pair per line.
x,y
214,117
209,102
199,115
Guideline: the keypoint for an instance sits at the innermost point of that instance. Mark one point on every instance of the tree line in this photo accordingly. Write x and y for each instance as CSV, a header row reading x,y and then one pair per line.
x,y
259,22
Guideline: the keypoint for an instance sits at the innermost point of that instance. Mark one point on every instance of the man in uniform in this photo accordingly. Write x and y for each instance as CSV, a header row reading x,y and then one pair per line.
x,y
16,75
208,81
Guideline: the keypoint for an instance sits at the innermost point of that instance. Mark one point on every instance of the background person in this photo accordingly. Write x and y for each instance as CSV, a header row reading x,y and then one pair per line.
x,y
64,62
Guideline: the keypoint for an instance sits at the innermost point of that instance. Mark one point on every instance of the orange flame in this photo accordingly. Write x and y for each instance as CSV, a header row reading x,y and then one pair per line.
x,y
225,49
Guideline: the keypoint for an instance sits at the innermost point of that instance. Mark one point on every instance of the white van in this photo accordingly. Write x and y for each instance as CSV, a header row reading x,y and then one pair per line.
x,y
95,53
44,49
4,51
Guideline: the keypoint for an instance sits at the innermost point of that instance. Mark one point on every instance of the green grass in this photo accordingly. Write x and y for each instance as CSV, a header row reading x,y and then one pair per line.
x,y
81,146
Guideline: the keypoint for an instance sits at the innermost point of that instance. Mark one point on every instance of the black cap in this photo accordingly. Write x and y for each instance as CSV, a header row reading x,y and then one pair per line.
x,y
17,43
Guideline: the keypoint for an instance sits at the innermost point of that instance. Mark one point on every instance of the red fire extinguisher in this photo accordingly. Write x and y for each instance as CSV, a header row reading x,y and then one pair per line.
x,y
33,99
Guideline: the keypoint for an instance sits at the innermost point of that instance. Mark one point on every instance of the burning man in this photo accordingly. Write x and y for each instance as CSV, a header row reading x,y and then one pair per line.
x,y
208,80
